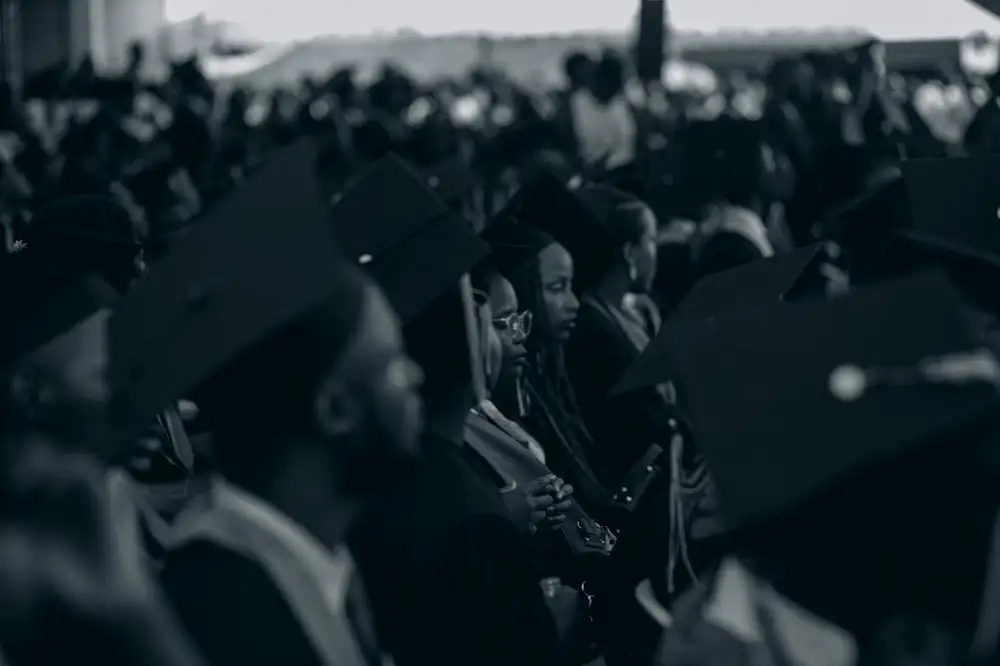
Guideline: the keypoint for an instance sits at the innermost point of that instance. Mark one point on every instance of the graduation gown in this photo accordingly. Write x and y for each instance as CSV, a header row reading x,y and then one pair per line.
x,y
736,619
622,426
451,580
252,587
516,465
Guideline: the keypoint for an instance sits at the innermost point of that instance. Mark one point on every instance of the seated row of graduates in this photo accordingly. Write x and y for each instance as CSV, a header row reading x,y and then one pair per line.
x,y
269,317
467,474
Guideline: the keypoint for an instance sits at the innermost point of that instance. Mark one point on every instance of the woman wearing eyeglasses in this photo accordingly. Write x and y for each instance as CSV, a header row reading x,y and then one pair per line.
x,y
570,547
531,486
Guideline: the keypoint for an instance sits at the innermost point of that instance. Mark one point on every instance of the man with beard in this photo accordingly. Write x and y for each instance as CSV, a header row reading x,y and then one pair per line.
x,y
451,577
313,405
847,435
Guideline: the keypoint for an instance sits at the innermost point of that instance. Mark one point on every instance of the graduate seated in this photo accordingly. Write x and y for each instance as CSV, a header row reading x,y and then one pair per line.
x,y
312,403
452,577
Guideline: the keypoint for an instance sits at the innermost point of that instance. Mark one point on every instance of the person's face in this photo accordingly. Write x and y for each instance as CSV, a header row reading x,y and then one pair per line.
x,y
555,269
511,329
641,256
394,384
371,402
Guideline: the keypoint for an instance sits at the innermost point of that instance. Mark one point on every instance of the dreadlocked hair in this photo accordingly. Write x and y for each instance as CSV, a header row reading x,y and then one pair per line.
x,y
546,370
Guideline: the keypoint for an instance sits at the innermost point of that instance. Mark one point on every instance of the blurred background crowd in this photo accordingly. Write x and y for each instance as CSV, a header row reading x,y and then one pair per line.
x,y
788,125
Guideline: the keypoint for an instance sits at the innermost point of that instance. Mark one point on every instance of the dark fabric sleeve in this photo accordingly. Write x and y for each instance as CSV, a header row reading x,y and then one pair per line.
x,y
495,608
232,611
625,426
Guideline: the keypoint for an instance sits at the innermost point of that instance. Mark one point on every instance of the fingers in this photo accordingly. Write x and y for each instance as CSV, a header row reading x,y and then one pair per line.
x,y
540,502
540,485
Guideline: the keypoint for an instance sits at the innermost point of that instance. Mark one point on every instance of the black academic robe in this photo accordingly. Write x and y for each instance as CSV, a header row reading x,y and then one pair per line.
x,y
235,571
623,427
450,579
232,611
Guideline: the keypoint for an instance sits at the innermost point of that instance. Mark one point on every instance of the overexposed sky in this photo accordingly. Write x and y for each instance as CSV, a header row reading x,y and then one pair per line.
x,y
301,19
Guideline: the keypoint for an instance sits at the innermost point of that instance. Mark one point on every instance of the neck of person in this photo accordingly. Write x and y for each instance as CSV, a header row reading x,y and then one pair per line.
x,y
615,286
301,488
447,418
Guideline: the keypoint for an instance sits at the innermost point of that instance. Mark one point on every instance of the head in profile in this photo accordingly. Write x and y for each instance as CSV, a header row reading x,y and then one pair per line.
x,y
504,331
331,400
631,226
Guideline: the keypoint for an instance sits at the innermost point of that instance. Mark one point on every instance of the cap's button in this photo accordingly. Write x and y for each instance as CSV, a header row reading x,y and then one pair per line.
x,y
365,259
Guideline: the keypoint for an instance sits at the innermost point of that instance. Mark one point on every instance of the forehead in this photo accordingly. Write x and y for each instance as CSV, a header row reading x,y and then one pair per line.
x,y
502,295
555,260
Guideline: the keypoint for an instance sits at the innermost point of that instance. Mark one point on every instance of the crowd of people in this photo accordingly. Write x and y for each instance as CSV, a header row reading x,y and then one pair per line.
x,y
408,375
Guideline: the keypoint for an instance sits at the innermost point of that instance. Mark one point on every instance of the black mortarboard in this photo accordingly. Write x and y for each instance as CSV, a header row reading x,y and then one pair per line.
x,y
547,204
759,284
263,258
414,246
418,250
513,244
814,393
450,180
39,307
863,225
952,222
956,201
977,276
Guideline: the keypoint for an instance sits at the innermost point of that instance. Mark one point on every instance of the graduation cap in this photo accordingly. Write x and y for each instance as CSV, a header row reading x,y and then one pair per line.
x,y
450,180
977,276
957,202
512,243
410,241
864,224
38,308
548,205
814,393
951,203
419,252
759,284
952,222
262,258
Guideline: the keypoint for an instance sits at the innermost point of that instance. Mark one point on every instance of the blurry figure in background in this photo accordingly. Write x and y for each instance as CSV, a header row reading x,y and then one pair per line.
x,y
68,567
734,231
578,70
603,118
93,235
982,136
88,235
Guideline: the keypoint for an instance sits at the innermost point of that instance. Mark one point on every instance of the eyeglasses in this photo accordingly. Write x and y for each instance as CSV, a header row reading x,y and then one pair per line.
x,y
518,323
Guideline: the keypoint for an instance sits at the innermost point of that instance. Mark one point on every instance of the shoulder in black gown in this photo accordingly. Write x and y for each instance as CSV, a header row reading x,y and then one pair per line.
x,y
450,579
232,610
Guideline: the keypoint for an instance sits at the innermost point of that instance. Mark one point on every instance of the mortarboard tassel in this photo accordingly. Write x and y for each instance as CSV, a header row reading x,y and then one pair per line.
x,y
678,523
850,382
